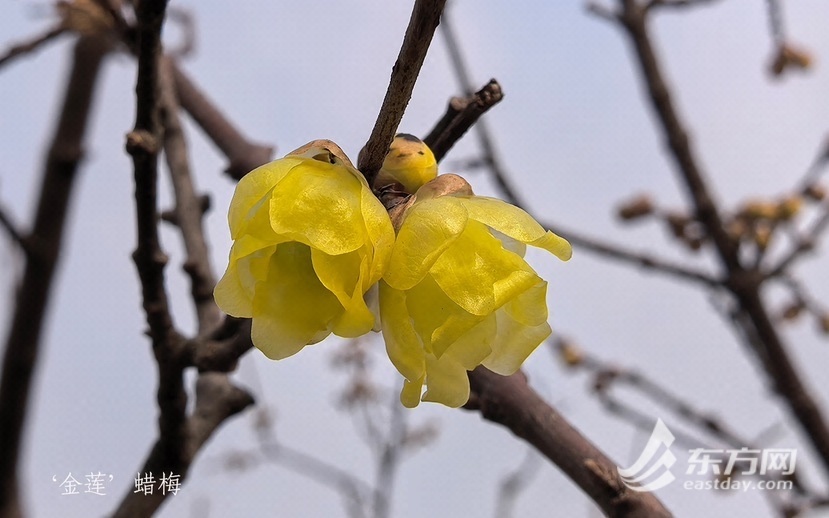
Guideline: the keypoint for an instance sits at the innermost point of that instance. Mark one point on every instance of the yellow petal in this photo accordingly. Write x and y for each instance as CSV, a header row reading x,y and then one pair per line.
x,y
235,290
343,276
380,233
231,297
319,205
410,395
439,322
251,190
429,228
530,308
514,222
475,345
478,274
522,327
446,382
291,307
514,343
402,343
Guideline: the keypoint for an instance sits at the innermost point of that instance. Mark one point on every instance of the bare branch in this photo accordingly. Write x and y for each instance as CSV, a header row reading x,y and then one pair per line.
x,y
514,483
11,229
26,47
189,208
221,353
743,283
644,260
804,244
44,246
509,401
425,18
243,155
461,114
511,195
653,4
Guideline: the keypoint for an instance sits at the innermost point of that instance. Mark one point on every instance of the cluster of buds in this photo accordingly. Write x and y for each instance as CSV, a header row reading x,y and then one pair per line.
x,y
685,229
756,220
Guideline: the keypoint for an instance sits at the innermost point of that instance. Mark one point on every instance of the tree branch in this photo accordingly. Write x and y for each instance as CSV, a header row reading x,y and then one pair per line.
x,y
44,247
425,18
26,47
509,401
188,209
461,114
743,283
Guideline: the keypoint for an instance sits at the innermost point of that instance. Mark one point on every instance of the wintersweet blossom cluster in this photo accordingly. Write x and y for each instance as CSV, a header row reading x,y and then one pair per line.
x,y
312,243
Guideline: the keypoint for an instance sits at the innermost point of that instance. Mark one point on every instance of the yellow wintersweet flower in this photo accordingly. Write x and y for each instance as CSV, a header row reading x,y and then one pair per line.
x,y
458,293
310,239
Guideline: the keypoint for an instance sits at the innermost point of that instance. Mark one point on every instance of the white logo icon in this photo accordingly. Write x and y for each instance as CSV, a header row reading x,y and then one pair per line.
x,y
641,476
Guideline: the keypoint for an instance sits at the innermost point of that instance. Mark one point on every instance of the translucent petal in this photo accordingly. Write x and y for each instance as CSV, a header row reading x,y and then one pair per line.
x,y
231,297
438,321
235,290
291,307
530,308
320,205
410,395
429,228
402,343
514,222
522,326
475,345
252,188
478,274
513,245
514,343
343,276
446,382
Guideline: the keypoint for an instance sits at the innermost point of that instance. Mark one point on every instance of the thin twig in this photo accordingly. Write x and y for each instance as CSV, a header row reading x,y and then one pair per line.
x,y
422,24
22,345
804,244
653,4
515,482
510,194
509,401
11,229
461,114
26,47
188,209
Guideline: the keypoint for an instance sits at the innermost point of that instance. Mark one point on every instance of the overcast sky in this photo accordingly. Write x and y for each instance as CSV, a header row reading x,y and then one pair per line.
x,y
574,131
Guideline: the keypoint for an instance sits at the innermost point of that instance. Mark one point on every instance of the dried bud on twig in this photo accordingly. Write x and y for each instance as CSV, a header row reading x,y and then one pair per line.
x,y
789,207
636,208
815,191
85,17
788,57
762,234
792,311
758,209
678,224
737,228
570,353
824,323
